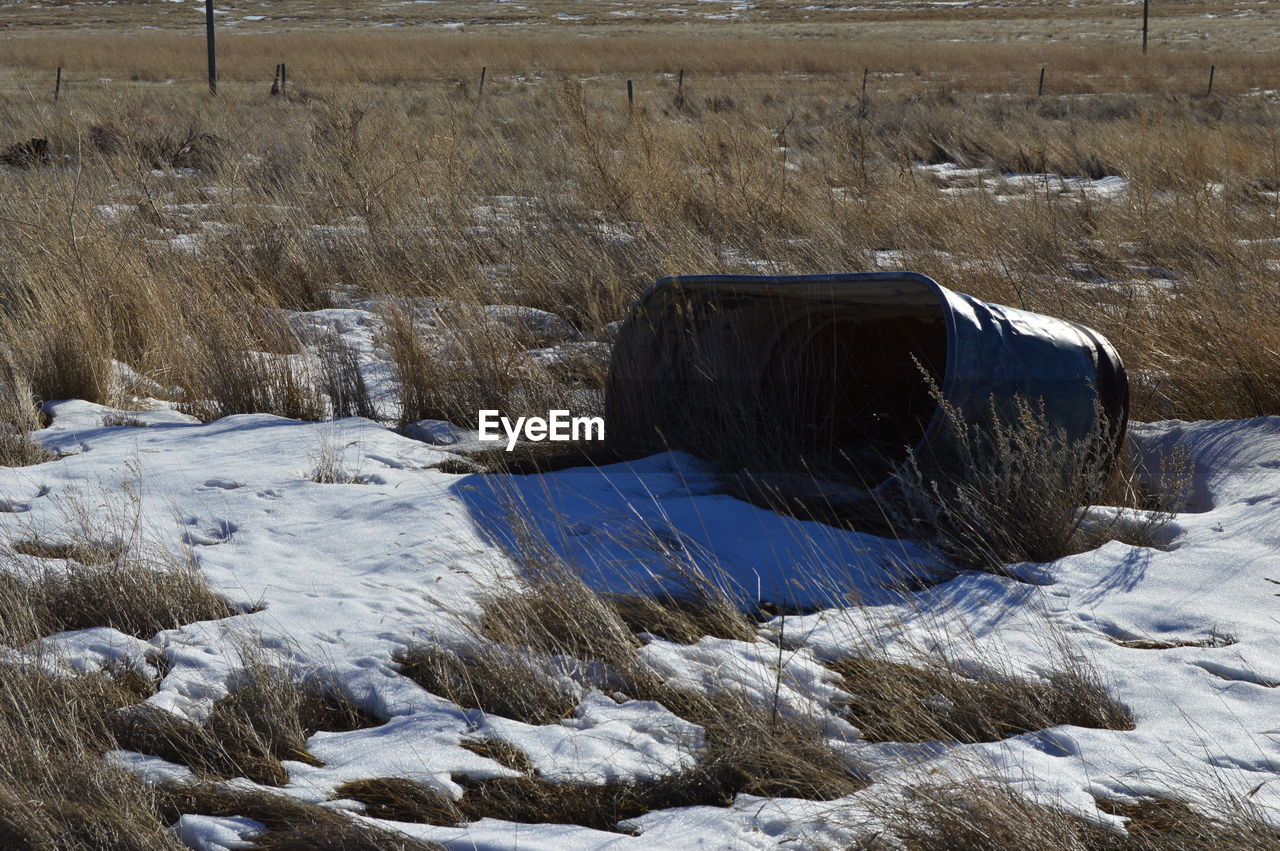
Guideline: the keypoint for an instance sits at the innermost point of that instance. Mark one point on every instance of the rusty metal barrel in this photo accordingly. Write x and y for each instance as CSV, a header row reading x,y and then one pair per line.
x,y
843,377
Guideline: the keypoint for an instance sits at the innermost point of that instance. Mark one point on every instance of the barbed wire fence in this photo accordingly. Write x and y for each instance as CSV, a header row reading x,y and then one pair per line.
x,y
637,90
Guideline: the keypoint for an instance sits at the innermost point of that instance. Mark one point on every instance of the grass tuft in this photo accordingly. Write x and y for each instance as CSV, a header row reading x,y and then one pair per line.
x,y
56,790
898,702
292,825
398,799
492,678
139,589
267,718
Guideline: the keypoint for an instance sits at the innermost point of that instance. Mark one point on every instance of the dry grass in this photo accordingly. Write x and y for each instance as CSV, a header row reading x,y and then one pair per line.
x,y
599,806
554,615
685,618
913,44
403,184
500,752
985,816
76,582
267,717
493,679
398,799
476,365
56,791
329,462
517,668
1168,823
1013,488
342,381
292,825
899,702
554,195
19,416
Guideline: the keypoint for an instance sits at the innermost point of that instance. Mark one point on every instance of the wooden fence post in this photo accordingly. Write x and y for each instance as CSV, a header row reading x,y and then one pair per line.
x,y
483,70
1040,90
1209,91
680,84
1146,14
275,82
862,104
284,80
209,45
631,96
57,85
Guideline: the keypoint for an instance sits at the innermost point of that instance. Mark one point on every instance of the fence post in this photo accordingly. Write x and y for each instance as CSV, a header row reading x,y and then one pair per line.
x,y
631,96
1209,91
680,84
57,85
1040,90
284,80
213,56
862,104
1146,14
483,70
275,82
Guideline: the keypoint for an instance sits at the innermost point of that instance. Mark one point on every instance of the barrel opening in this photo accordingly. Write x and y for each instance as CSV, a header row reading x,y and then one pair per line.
x,y
857,383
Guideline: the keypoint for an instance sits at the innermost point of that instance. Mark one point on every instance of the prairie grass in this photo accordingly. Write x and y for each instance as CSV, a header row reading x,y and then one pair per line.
x,y
188,224
987,816
267,717
19,416
535,641
79,580
1012,487
496,680
901,702
366,55
56,790
291,824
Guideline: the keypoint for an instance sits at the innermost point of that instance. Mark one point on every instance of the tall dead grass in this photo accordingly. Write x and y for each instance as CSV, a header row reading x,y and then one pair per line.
x,y
174,229
986,816
98,569
56,790
267,717
366,55
540,642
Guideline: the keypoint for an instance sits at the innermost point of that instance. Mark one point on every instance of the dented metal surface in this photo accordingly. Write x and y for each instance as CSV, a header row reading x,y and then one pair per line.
x,y
841,374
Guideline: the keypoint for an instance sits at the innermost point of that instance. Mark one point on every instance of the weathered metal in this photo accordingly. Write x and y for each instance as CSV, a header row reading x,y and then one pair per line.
x,y
845,375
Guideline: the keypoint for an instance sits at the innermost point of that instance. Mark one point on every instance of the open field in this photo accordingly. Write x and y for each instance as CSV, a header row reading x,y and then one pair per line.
x,y
259,583
1199,24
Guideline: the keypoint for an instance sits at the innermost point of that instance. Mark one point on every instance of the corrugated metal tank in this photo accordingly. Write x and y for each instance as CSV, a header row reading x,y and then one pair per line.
x,y
839,376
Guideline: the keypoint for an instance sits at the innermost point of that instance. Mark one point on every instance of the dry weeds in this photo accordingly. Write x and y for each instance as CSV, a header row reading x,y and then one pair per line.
x,y
56,790
175,227
494,679
989,817
406,192
1013,488
900,702
267,717
292,825
139,589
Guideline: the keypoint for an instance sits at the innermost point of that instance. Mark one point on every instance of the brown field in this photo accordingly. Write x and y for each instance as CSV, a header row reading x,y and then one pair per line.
x,y
549,190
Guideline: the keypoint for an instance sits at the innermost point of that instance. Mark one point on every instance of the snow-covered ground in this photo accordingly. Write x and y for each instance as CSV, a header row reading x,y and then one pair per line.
x,y
337,578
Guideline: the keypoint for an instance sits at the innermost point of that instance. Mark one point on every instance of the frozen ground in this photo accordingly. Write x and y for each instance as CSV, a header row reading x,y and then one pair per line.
x,y
338,577
335,579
